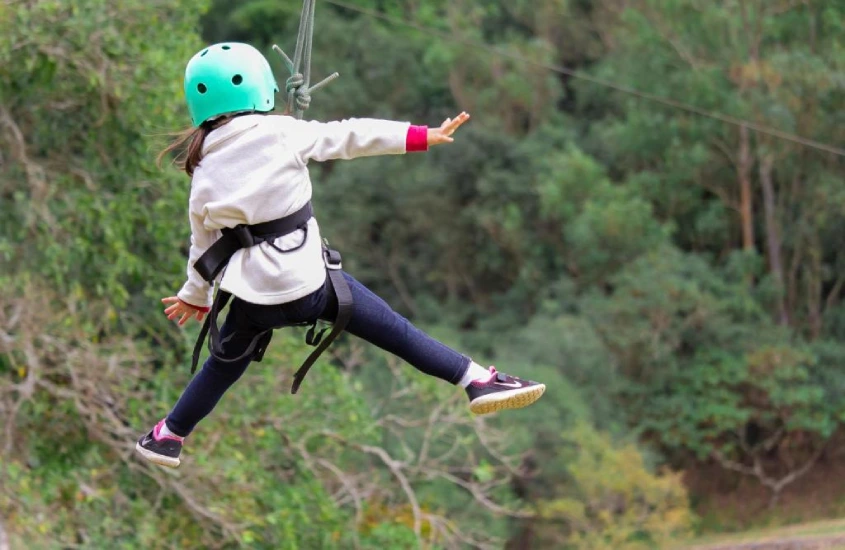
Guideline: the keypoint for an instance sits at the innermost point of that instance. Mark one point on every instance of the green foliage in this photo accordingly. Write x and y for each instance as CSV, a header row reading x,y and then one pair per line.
x,y
85,87
265,471
611,500
718,399
568,354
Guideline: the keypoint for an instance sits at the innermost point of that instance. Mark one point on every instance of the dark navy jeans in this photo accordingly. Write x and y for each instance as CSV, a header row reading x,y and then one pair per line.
x,y
372,319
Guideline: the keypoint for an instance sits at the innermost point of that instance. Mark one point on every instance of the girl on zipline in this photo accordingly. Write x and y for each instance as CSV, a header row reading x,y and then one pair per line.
x,y
251,220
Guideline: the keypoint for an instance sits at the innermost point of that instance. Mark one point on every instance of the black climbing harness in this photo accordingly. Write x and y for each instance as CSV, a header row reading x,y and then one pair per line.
x,y
344,313
212,262
218,254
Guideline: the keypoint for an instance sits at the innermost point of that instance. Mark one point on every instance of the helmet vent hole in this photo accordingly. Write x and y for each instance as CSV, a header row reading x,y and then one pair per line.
x,y
227,47
237,79
201,88
203,53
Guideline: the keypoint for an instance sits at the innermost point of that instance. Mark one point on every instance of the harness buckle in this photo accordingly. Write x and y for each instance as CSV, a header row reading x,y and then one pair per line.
x,y
332,259
244,236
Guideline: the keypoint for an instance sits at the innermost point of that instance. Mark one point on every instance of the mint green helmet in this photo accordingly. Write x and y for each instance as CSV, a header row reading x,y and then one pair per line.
x,y
228,78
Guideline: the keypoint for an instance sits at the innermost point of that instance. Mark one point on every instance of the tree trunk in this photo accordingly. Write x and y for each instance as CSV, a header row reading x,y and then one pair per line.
x,y
4,537
773,237
744,165
774,497
814,288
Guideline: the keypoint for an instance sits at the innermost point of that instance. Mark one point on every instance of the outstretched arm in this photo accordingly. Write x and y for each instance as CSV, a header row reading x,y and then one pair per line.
x,y
354,138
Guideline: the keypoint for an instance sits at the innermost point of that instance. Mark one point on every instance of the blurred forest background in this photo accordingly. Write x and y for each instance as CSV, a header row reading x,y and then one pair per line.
x,y
675,280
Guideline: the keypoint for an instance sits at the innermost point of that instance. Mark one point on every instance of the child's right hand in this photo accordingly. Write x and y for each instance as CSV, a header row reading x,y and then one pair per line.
x,y
178,308
437,136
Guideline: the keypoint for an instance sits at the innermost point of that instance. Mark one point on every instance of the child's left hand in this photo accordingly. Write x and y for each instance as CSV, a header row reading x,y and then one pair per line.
x,y
437,136
177,307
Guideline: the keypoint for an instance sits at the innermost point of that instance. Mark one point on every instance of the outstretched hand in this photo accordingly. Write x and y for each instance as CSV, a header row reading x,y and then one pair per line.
x,y
177,307
437,136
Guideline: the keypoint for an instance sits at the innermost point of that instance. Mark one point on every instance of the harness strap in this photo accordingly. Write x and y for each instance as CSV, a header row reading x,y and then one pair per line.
x,y
219,303
218,254
344,313
260,341
256,347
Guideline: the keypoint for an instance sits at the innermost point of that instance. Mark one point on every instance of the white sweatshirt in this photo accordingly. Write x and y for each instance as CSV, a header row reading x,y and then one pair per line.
x,y
254,170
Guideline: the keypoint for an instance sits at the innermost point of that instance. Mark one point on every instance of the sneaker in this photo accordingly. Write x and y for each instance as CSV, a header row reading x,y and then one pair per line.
x,y
502,391
160,449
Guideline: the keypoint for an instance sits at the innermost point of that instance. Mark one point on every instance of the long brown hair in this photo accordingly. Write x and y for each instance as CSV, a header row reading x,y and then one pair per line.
x,y
187,144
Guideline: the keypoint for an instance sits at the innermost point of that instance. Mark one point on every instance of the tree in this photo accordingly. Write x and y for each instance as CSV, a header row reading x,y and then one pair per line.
x,y
709,375
611,500
773,64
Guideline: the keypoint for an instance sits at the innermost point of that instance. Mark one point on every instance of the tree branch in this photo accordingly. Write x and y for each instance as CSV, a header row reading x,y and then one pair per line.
x,y
395,468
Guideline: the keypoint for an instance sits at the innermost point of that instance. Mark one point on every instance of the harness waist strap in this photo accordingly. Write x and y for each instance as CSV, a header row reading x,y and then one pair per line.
x,y
212,262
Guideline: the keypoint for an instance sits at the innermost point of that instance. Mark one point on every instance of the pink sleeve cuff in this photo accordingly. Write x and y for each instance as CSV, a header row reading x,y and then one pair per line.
x,y
417,139
204,309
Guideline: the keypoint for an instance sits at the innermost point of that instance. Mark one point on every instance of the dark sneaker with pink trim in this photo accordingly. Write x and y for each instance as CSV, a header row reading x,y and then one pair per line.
x,y
160,449
502,391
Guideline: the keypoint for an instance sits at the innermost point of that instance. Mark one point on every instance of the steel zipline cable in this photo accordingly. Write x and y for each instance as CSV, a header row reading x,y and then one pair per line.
x,y
761,128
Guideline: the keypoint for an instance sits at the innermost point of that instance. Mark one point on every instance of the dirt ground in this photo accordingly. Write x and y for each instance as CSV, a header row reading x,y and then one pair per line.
x,y
731,502
835,542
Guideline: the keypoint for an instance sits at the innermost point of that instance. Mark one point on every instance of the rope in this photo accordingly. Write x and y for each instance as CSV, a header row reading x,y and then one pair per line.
x,y
761,128
297,86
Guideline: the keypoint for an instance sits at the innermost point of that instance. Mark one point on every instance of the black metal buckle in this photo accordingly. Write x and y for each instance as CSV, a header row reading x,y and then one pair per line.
x,y
332,259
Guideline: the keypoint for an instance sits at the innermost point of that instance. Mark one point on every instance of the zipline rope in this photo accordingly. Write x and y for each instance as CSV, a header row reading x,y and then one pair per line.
x,y
298,86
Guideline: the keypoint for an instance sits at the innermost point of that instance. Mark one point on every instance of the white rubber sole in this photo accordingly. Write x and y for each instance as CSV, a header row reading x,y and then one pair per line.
x,y
510,399
157,458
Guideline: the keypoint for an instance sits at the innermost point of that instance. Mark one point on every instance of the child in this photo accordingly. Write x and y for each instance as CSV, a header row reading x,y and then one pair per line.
x,y
248,167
